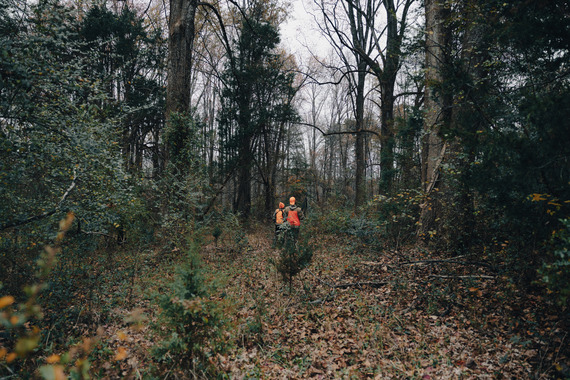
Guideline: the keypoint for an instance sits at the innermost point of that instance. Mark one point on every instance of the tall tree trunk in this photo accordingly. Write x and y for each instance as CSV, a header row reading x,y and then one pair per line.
x,y
433,147
243,201
271,154
474,53
387,79
155,151
181,32
269,195
360,196
387,132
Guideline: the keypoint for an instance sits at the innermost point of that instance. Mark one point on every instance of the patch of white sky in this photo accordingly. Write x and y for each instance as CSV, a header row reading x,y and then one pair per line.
x,y
300,34
302,38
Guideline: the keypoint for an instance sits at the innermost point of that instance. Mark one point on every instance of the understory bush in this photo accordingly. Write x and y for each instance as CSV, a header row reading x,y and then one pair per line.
x,y
385,220
24,334
556,272
295,255
191,322
329,220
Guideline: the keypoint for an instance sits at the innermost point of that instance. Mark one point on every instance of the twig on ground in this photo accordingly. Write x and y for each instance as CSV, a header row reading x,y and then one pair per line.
x,y
326,298
359,284
396,252
320,279
375,264
343,286
409,308
452,260
467,276
97,233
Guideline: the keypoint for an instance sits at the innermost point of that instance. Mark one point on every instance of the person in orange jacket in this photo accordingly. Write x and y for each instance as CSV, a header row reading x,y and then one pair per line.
x,y
294,215
279,218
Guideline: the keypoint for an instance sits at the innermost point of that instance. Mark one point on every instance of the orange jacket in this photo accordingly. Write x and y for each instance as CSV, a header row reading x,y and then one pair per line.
x,y
279,216
294,215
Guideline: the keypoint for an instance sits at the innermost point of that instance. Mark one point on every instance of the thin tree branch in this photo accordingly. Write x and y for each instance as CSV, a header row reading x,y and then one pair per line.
x,y
43,215
340,132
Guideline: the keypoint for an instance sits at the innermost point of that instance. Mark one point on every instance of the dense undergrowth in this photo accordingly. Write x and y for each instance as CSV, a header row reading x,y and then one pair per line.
x,y
215,306
360,312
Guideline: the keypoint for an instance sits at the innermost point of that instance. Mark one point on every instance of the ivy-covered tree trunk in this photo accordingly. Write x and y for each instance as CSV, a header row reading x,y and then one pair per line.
x,y
181,31
466,123
387,79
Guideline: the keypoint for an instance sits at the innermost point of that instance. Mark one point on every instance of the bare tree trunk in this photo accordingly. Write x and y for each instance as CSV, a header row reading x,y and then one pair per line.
x,y
360,196
433,147
269,195
387,131
243,205
360,33
385,71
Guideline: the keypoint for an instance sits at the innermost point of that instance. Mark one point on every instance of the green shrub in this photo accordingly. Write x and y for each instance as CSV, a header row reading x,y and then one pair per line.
x,y
23,344
332,221
193,322
385,220
295,255
556,271
397,215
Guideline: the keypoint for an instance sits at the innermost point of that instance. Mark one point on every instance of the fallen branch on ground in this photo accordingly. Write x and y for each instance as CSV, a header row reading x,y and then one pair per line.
x,y
385,267
368,283
328,297
344,286
97,233
320,279
449,261
468,276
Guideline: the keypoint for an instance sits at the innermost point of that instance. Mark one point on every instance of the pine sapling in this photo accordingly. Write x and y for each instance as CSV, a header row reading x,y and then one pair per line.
x,y
293,258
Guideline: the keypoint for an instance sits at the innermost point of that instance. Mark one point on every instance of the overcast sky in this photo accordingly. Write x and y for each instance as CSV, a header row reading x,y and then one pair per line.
x,y
301,31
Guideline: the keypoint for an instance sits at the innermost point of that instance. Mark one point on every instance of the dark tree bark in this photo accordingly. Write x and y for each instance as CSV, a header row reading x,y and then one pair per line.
x,y
181,30
385,70
180,44
359,149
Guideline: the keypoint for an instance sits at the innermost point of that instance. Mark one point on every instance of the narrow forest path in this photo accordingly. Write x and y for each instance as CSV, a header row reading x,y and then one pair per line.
x,y
356,313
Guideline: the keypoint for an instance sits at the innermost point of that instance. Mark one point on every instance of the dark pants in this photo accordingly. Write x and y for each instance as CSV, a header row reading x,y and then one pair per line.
x,y
277,233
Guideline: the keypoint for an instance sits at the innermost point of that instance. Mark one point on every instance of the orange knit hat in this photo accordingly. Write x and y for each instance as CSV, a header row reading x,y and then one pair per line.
x,y
281,205
292,200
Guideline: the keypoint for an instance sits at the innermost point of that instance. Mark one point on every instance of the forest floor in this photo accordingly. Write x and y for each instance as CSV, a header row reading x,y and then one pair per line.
x,y
359,313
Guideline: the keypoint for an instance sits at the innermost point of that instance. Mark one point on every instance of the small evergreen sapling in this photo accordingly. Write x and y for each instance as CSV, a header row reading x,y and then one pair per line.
x,y
216,233
192,319
294,256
